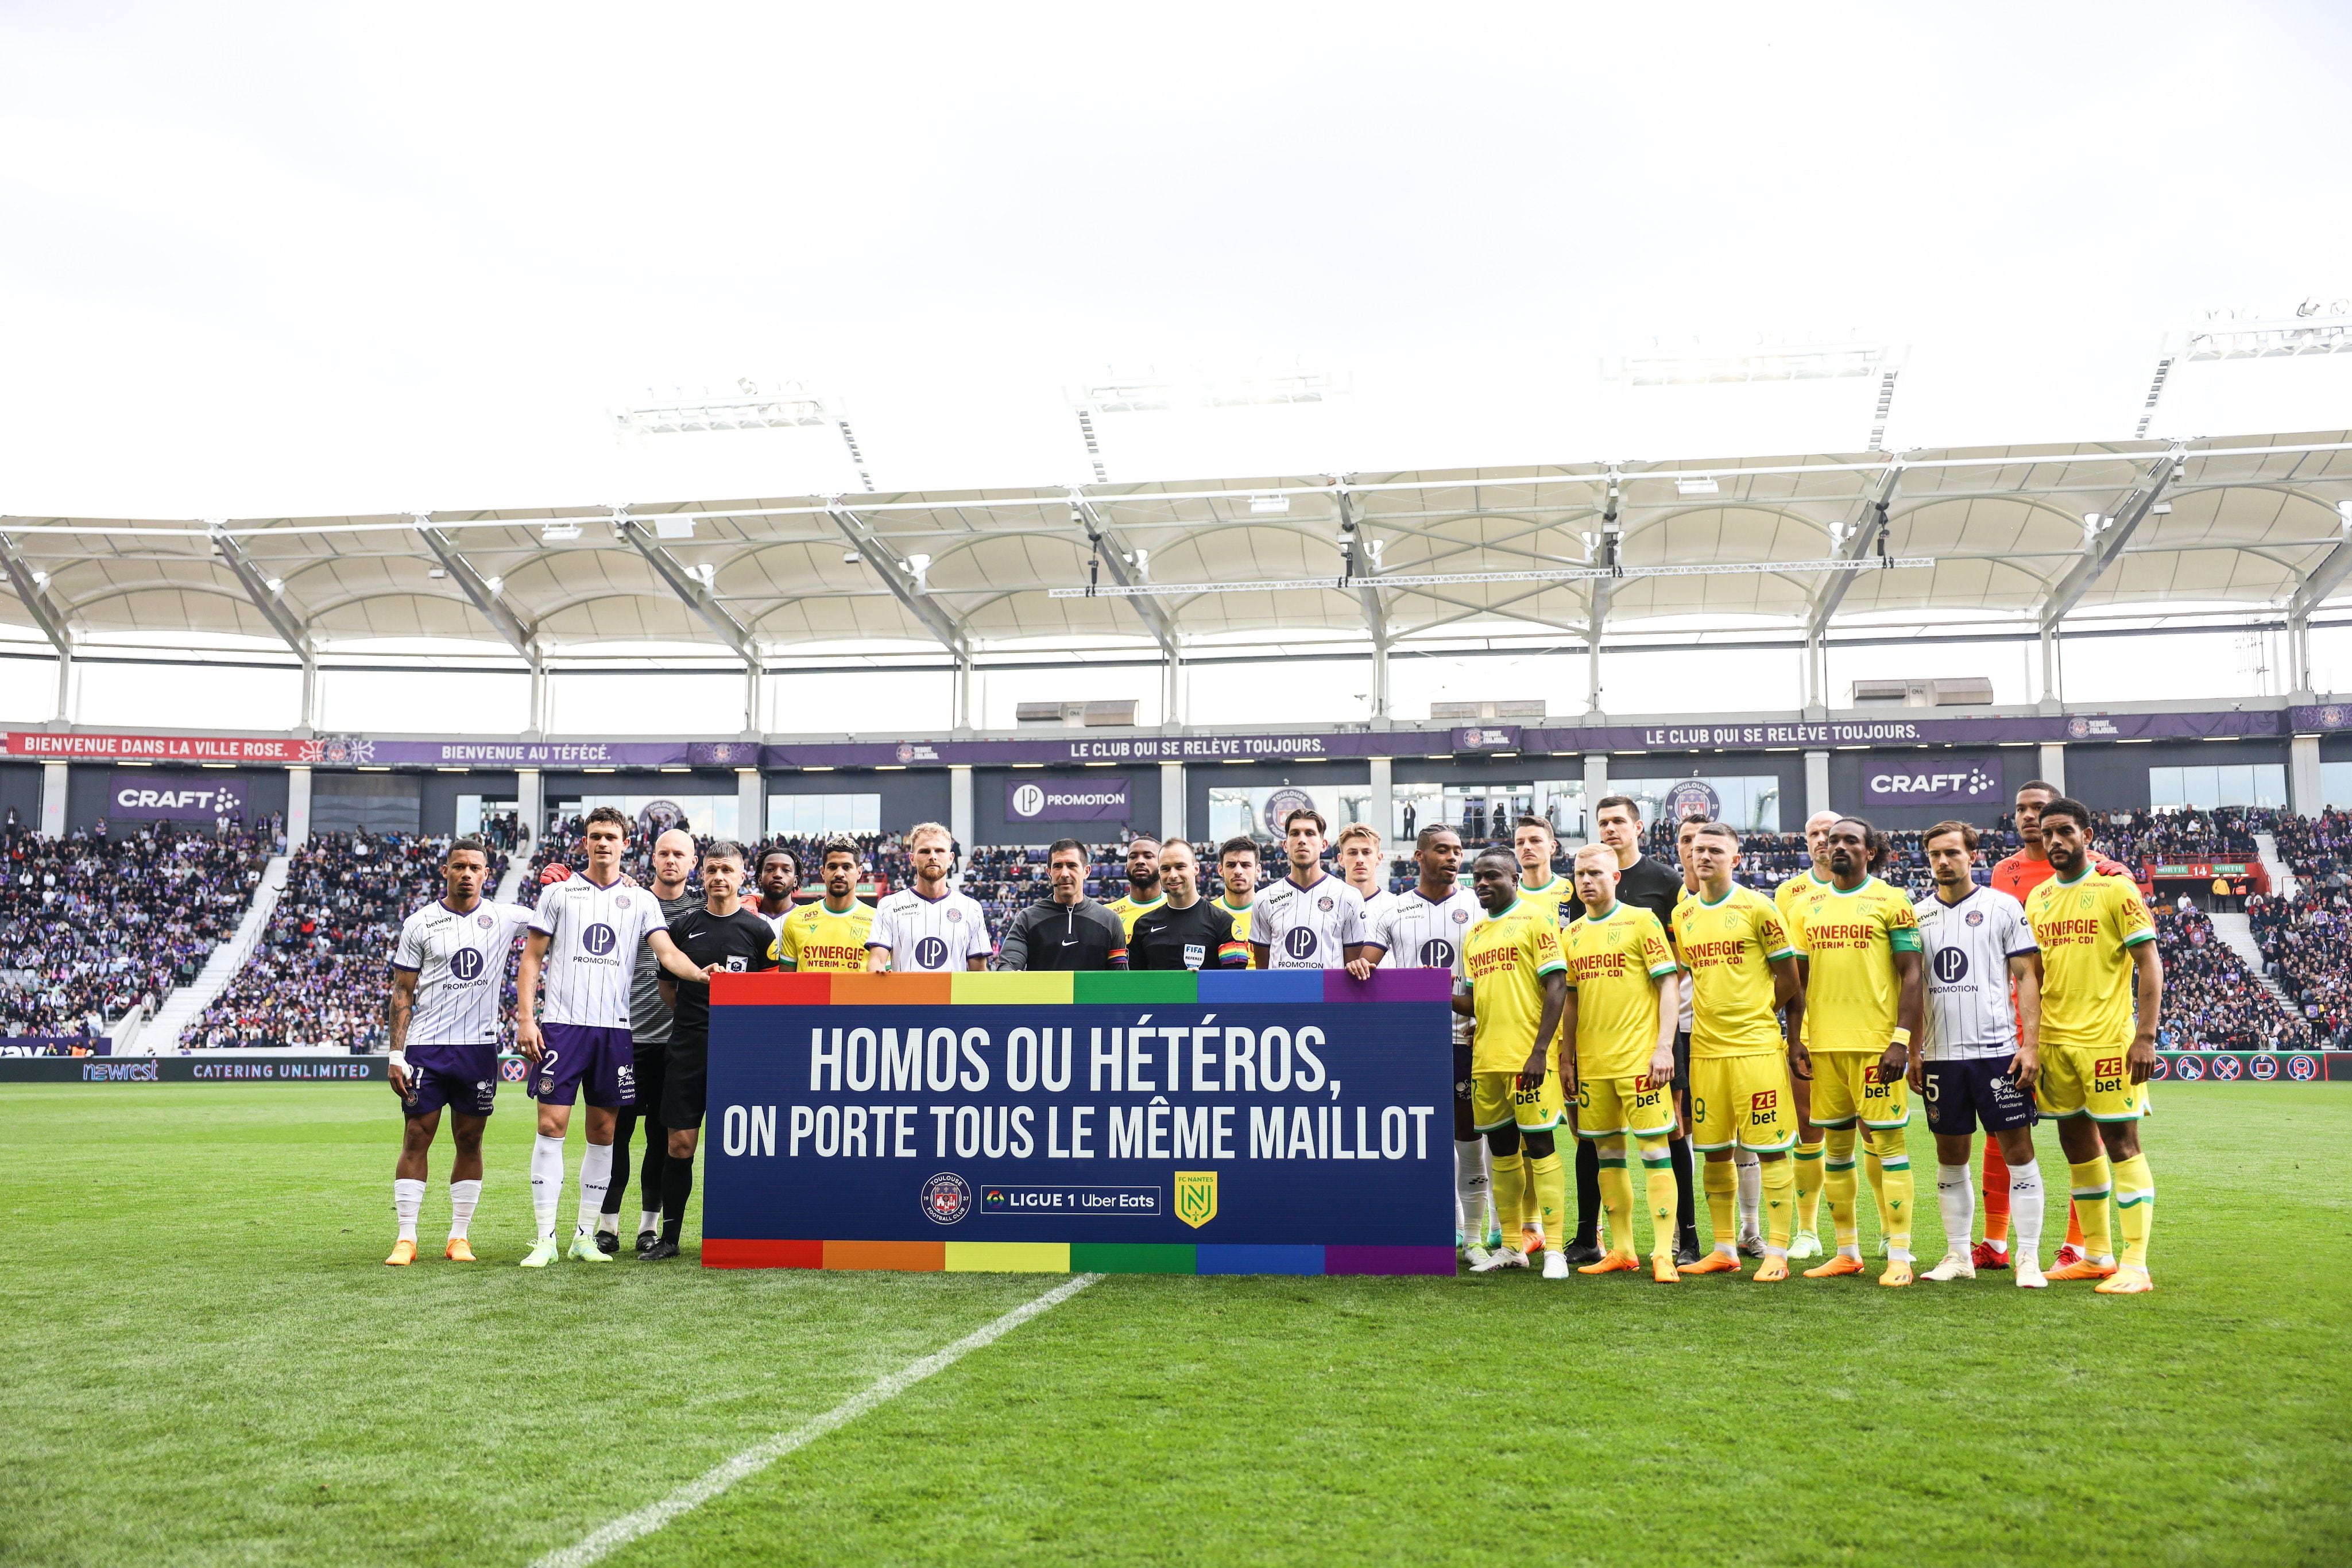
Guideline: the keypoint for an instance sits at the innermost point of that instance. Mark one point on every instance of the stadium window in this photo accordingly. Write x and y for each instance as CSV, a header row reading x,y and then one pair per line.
x,y
799,815
1560,801
2335,783
708,816
1413,808
2229,784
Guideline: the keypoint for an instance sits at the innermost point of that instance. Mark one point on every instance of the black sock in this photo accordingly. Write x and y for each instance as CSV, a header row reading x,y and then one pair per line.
x,y
618,1186
1587,1193
649,1179
676,1183
1686,1215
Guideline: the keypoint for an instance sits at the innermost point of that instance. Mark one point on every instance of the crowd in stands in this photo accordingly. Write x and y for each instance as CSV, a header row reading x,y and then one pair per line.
x,y
2318,849
2306,944
2211,1000
91,927
318,975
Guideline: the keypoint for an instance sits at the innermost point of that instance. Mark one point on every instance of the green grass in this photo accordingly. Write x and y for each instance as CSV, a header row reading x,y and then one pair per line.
x,y
201,1359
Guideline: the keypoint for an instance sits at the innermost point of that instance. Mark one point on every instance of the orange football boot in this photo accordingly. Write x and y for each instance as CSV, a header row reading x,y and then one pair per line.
x,y
459,1250
1612,1263
1836,1266
403,1253
2126,1282
2083,1268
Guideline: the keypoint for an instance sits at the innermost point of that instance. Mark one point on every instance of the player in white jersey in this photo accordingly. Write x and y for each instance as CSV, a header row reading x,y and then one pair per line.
x,y
1360,868
584,937
448,968
1422,929
1977,1064
930,927
1310,919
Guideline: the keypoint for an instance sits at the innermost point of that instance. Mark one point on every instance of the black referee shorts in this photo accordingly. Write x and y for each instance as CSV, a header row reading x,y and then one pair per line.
x,y
652,1060
1681,1070
686,1083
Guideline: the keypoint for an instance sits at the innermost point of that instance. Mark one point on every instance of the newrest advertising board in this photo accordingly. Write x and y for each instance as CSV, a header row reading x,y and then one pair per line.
x,y
1242,1123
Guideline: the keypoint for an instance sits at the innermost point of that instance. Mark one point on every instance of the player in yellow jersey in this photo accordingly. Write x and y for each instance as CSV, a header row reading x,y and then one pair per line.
x,y
1237,869
1859,951
1511,980
829,935
1743,978
1533,844
1793,898
1622,1006
1143,893
2098,961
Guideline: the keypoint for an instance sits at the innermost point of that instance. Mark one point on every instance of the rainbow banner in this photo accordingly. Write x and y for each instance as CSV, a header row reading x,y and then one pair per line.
x,y
1221,1122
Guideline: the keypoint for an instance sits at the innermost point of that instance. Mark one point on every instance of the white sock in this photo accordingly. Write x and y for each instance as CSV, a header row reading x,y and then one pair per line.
x,y
546,1182
2025,1210
1751,1187
648,1220
463,1195
608,1223
595,1173
408,1197
1956,1197
1470,1189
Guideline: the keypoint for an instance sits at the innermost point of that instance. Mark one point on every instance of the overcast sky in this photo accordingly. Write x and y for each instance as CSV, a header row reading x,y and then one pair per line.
x,y
343,259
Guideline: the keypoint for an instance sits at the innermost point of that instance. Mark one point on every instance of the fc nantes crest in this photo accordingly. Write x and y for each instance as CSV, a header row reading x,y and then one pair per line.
x,y
1196,1198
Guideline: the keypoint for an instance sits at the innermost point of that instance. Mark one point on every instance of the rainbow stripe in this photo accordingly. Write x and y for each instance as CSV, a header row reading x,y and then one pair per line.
x,y
1115,987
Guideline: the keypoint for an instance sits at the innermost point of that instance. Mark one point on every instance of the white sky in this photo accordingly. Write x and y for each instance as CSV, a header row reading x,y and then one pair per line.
x,y
318,259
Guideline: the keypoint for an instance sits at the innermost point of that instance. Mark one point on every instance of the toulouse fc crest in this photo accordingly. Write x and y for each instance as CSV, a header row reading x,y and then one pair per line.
x,y
947,1198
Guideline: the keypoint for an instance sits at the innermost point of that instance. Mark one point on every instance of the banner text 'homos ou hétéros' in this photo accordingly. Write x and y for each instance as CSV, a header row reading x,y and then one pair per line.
x,y
1257,1122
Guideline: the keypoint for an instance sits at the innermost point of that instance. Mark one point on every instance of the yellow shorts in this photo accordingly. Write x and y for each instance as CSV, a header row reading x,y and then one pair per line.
x,y
1844,1090
1742,1100
1606,1107
1497,1100
2089,1080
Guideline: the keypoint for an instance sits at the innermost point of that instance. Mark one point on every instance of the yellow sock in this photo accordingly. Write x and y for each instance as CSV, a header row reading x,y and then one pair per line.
x,y
1838,1185
1722,1199
1548,1182
1896,1194
2134,1209
1874,1171
1779,1205
1659,1166
1808,1175
1617,1199
2093,1183
1509,1186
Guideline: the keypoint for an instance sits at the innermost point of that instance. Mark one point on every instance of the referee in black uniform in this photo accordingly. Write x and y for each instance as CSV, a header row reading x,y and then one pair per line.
x,y
1186,931
1654,885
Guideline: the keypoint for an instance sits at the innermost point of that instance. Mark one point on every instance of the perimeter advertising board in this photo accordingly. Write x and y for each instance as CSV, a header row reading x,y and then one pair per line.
x,y
1249,1123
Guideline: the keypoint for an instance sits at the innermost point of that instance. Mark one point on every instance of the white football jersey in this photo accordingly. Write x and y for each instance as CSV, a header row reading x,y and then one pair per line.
x,y
592,953
1308,927
1417,933
460,964
929,935
1966,948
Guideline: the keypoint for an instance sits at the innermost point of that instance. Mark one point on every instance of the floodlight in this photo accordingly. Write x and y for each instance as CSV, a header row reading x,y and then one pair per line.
x,y
751,409
276,585
669,527
1762,362
1267,505
2313,329
1453,578
560,531
1705,485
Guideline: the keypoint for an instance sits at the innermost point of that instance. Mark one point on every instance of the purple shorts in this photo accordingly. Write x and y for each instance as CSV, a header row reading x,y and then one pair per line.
x,y
577,1055
1961,1093
431,1088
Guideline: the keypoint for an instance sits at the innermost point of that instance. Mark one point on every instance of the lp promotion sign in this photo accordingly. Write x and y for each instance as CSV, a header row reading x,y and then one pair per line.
x,y
1066,799
1245,1122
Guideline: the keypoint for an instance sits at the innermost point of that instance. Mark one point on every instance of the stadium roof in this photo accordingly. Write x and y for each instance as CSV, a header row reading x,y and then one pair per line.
x,y
2227,524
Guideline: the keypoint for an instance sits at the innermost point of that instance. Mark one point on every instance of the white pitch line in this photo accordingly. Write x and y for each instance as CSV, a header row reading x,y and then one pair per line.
x,y
761,1455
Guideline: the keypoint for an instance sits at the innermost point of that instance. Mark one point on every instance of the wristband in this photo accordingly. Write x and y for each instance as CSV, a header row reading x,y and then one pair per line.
x,y
400,1058
1903,1037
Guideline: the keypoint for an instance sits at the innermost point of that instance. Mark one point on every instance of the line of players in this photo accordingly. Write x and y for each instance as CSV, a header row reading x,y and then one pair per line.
x,y
1913,998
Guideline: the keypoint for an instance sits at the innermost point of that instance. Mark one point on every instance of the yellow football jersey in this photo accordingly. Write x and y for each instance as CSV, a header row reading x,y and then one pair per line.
x,y
1793,898
1614,962
815,940
1554,897
1126,909
1728,948
1504,960
2087,929
1241,918
1849,940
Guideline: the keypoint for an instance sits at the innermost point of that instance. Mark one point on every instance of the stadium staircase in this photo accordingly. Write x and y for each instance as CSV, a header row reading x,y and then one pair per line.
x,y
187,1002
2237,934
510,885
2281,874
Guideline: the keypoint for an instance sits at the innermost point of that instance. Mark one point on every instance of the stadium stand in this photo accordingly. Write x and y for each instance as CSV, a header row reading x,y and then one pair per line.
x,y
2306,944
2318,849
91,926
318,975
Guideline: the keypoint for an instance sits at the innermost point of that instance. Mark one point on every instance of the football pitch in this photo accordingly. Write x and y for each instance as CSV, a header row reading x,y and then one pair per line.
x,y
207,1360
